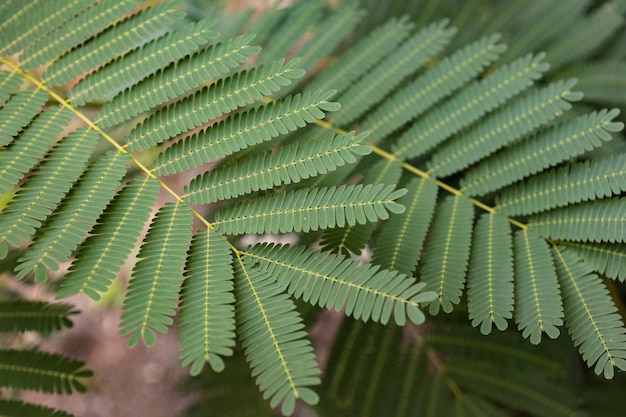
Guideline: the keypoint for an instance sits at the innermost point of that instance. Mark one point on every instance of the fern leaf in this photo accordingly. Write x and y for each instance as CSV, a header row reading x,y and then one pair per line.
x,y
362,56
469,105
450,74
11,408
21,315
207,316
210,103
490,275
111,241
9,84
33,143
132,32
304,210
538,304
606,258
289,164
18,112
64,230
399,244
590,315
587,180
48,16
16,16
597,221
32,370
336,281
175,80
503,127
601,82
155,281
141,62
245,129
374,86
45,188
353,238
547,149
273,336
447,252
75,31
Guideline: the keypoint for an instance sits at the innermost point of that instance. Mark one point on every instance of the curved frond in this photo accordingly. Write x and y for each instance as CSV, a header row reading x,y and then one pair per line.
x,y
155,281
336,281
175,80
608,259
469,105
245,129
79,211
490,274
11,408
504,127
111,241
590,315
304,210
18,112
273,336
447,251
289,164
584,181
46,372
596,221
9,84
399,244
46,187
547,149
21,315
132,32
210,103
207,314
601,81
538,304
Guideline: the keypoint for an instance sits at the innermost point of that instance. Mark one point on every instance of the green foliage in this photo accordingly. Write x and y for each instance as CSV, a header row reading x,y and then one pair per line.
x,y
456,160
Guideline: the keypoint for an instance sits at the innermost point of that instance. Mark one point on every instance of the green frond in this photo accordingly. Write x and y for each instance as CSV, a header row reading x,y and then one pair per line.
x,y
588,180
503,127
608,259
438,82
123,37
289,164
305,210
11,408
155,281
353,238
46,372
175,80
469,105
590,315
596,221
111,241
399,244
601,81
383,78
273,336
207,315
538,304
32,144
490,274
141,62
46,187
81,208
585,37
211,102
362,56
447,251
9,84
75,31
21,315
15,16
48,16
336,281
244,129
548,148
18,112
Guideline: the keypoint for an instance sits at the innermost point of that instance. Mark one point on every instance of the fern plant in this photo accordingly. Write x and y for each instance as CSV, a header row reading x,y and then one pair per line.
x,y
498,188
